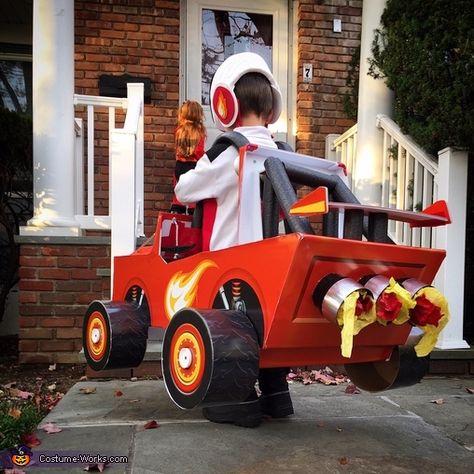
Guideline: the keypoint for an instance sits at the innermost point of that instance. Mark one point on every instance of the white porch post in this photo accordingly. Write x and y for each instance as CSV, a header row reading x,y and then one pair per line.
x,y
53,119
374,98
451,180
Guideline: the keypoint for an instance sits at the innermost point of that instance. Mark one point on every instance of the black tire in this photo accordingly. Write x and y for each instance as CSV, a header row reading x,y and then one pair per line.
x,y
114,335
209,357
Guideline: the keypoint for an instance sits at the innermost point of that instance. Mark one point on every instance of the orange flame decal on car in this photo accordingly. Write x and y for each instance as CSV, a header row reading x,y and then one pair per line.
x,y
182,288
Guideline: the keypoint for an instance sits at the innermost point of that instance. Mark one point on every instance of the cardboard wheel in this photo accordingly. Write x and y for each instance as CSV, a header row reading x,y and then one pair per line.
x,y
209,357
114,335
402,369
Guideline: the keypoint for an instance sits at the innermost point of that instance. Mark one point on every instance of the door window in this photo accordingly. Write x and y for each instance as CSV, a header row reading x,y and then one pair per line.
x,y
225,33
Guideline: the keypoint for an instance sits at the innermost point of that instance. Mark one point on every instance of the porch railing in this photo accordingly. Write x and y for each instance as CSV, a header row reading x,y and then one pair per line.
x,y
407,176
343,149
125,213
408,181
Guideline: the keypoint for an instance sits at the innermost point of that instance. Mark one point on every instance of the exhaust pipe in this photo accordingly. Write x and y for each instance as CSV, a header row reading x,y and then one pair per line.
x,y
430,313
376,284
331,292
347,304
413,286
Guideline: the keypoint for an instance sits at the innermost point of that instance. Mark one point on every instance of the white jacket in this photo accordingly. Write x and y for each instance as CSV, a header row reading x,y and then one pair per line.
x,y
218,180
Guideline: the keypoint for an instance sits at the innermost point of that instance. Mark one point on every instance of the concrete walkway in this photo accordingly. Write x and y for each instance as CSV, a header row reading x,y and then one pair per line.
x,y
398,431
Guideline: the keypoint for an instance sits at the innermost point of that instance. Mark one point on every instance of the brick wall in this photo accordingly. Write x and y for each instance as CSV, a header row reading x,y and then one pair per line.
x,y
139,38
57,283
319,103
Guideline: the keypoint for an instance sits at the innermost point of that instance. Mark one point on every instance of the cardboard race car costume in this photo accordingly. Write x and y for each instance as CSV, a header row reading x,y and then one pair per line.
x,y
273,299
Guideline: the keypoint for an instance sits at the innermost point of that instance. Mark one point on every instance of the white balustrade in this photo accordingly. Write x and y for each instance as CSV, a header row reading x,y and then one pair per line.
x,y
344,147
408,183
86,209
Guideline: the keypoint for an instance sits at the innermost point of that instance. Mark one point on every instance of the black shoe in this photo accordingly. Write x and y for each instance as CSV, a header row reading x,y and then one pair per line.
x,y
247,414
277,405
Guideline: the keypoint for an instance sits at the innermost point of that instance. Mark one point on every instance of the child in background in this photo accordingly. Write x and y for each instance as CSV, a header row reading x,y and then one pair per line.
x,y
190,136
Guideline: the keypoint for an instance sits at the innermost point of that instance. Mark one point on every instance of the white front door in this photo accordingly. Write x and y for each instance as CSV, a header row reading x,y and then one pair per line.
x,y
218,29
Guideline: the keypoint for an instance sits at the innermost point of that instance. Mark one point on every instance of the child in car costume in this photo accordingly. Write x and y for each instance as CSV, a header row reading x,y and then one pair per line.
x,y
245,98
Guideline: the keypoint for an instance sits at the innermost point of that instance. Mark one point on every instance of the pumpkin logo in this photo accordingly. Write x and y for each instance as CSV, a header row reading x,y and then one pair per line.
x,y
21,456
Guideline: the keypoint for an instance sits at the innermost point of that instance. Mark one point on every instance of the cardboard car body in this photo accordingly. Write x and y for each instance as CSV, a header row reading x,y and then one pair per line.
x,y
271,281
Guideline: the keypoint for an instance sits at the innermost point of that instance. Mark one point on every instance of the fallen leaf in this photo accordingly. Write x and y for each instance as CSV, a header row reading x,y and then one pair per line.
x,y
118,393
9,385
51,428
339,429
135,400
15,392
134,379
351,389
14,471
150,425
325,376
52,367
344,461
439,401
37,400
30,439
87,390
96,467
83,378
307,380
52,387
14,412
470,390
51,400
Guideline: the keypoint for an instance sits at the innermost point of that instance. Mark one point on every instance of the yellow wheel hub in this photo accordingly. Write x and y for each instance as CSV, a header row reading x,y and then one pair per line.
x,y
187,358
96,336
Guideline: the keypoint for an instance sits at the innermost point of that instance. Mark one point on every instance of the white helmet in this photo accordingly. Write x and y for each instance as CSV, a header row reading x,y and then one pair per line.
x,y
224,104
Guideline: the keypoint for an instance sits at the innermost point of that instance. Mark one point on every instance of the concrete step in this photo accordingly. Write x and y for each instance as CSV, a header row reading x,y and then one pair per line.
x,y
445,362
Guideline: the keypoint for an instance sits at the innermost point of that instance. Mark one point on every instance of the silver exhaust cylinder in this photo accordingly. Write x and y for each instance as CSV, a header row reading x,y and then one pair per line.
x,y
330,300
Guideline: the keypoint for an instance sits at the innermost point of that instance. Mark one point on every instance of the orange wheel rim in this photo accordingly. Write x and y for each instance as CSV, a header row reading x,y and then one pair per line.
x,y
187,358
97,335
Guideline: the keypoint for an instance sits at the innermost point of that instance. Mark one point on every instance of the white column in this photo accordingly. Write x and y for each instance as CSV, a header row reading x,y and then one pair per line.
x,y
374,98
451,180
53,119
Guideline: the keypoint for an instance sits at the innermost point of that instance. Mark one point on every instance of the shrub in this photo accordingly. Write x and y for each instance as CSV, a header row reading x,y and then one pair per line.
x,y
16,163
425,52
17,420
351,98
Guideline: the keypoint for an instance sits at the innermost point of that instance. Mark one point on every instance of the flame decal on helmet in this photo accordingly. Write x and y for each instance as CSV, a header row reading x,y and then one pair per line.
x,y
182,288
221,107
